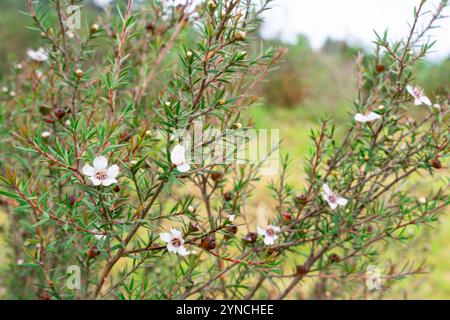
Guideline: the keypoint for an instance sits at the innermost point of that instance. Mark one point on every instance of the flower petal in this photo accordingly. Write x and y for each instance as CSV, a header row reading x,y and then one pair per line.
x,y
95,181
165,236
342,201
182,251
372,116
360,118
184,167
176,232
425,100
100,163
327,189
410,89
113,171
88,170
268,240
261,231
172,248
109,182
177,156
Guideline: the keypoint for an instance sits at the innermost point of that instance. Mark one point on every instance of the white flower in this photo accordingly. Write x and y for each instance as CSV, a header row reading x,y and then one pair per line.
x,y
20,262
178,158
46,134
103,4
100,174
39,75
367,117
373,278
100,237
231,217
437,106
19,66
332,198
174,241
270,234
419,96
39,55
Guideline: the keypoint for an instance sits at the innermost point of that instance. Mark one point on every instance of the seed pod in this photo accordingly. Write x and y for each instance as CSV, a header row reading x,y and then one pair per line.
x,y
232,228
301,270
250,237
216,176
93,252
300,200
334,258
116,188
150,27
380,68
72,199
59,113
194,227
125,136
286,216
228,196
208,242
436,163
44,296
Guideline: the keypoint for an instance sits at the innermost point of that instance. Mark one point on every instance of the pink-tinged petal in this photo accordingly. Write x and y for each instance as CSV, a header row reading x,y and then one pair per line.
x,y
342,201
268,240
182,251
113,171
425,100
184,167
372,116
95,181
437,106
177,156
261,231
275,228
360,118
165,236
176,232
327,189
100,163
109,182
417,102
410,90
88,170
171,248
332,205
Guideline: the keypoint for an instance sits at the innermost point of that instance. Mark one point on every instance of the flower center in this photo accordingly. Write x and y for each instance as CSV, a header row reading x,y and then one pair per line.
x,y
101,175
270,232
332,198
176,242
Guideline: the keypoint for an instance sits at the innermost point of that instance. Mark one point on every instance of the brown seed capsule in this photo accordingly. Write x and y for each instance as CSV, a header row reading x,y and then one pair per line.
x,y
93,251
301,270
286,216
251,237
380,68
125,136
59,113
72,199
216,176
150,27
334,258
208,242
436,163
44,110
300,200
44,296
228,196
116,188
232,228
194,227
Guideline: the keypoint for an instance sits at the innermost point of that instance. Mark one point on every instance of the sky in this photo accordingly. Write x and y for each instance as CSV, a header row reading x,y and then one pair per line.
x,y
352,20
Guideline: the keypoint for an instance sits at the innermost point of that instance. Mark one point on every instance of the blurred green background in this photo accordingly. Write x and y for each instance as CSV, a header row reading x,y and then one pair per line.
x,y
308,84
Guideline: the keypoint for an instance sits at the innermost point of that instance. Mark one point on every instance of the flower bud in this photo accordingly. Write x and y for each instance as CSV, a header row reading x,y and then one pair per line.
x,y
94,28
334,258
300,200
194,227
212,4
221,102
380,68
79,73
228,196
46,134
208,242
232,228
237,125
150,27
72,199
191,209
286,216
240,36
116,188
216,176
125,136
301,270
